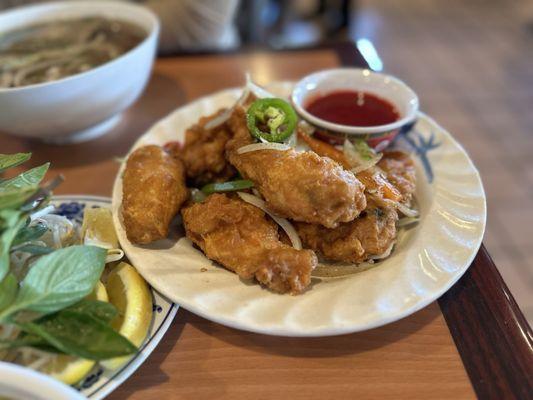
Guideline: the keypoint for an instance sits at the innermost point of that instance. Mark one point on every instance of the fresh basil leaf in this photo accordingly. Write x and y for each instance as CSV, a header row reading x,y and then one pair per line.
x,y
26,179
12,160
25,340
41,196
59,279
22,341
15,197
80,335
30,232
35,249
8,291
11,222
99,310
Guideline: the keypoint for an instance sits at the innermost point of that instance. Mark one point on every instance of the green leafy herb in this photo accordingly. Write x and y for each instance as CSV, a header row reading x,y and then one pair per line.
x,y
80,334
15,197
99,310
30,178
8,290
12,160
59,279
41,197
11,222
25,341
49,305
35,249
30,232
16,191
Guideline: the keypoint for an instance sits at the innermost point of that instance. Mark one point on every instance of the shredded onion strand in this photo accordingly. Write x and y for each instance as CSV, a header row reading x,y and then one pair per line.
x,y
263,146
285,224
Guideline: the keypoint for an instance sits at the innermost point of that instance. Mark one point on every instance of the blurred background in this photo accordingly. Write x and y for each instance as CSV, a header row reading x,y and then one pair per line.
x,y
471,62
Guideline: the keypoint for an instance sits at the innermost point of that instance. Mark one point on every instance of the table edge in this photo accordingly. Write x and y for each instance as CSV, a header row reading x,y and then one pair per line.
x,y
492,335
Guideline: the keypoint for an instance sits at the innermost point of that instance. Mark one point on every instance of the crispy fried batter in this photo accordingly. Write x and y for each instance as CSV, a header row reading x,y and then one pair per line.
x,y
302,186
152,193
370,234
240,237
400,170
203,152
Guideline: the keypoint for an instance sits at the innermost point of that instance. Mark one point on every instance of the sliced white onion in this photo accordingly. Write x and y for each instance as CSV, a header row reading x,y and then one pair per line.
x,y
34,358
363,167
334,270
408,212
219,119
60,232
257,90
263,146
45,211
406,221
358,162
40,362
114,255
223,117
385,254
8,331
307,128
382,146
293,140
250,87
402,208
285,225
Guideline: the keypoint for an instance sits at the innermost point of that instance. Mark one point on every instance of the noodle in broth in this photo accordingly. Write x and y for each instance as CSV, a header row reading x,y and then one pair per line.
x,y
50,51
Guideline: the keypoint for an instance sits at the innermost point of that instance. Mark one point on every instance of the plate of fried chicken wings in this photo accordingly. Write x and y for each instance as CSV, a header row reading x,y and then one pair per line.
x,y
295,237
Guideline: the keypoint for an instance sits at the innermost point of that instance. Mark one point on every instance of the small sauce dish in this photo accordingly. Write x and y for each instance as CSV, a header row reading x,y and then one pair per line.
x,y
355,103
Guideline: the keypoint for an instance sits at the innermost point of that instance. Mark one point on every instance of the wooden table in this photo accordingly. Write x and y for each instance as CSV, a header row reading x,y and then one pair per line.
x,y
473,340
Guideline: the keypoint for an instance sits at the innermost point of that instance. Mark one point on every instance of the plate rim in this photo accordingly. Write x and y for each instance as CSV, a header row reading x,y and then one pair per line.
x,y
123,373
328,331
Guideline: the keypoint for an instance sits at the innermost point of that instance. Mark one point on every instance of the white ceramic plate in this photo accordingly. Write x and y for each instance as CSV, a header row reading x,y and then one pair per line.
x,y
18,382
427,262
100,382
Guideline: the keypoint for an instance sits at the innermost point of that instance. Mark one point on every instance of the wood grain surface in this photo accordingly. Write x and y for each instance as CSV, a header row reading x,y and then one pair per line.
x,y
412,359
493,337
197,359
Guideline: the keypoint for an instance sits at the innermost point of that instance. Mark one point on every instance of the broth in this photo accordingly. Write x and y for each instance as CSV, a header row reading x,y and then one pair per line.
x,y
53,50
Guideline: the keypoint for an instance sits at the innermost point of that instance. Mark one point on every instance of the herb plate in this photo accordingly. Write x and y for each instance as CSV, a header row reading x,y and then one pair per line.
x,y
100,382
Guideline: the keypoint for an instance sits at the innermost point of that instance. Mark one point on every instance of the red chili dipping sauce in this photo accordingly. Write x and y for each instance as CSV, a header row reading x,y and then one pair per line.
x,y
353,108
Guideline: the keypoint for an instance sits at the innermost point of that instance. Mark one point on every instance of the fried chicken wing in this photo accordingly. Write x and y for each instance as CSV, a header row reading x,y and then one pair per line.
x,y
240,237
400,171
370,234
373,178
152,193
203,152
302,186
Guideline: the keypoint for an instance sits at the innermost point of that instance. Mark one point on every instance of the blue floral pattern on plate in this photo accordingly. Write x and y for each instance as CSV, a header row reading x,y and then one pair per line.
x,y
100,382
417,144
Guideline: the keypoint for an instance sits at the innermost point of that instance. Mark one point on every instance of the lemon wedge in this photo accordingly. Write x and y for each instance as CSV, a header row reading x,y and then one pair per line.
x,y
98,229
130,294
70,369
99,293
